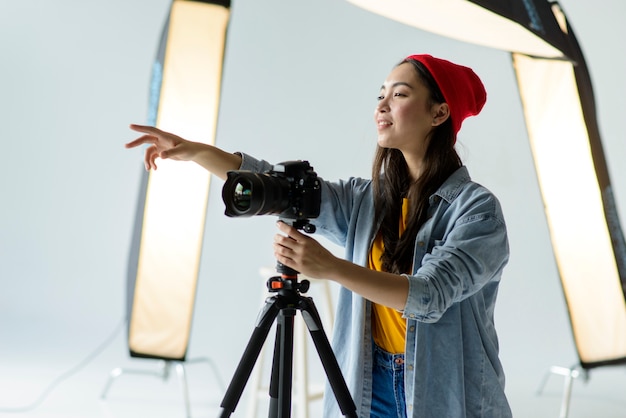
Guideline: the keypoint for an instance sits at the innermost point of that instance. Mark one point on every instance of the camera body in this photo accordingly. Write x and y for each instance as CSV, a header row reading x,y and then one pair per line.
x,y
290,190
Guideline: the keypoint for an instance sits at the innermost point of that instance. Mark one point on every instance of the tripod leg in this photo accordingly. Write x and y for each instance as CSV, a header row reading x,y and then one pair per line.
x,y
282,366
329,361
244,369
275,376
286,362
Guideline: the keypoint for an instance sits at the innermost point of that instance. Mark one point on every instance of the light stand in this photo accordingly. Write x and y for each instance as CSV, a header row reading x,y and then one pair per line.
x,y
283,305
165,256
164,373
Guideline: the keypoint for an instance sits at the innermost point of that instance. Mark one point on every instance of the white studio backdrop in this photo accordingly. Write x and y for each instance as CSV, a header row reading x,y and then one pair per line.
x,y
300,82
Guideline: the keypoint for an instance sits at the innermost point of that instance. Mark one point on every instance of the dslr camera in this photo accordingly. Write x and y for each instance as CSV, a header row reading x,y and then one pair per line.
x,y
290,190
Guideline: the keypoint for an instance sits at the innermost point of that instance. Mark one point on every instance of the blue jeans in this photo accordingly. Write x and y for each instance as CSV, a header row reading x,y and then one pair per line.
x,y
388,399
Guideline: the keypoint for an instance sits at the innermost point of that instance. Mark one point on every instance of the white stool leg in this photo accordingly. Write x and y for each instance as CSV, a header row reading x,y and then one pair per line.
x,y
301,372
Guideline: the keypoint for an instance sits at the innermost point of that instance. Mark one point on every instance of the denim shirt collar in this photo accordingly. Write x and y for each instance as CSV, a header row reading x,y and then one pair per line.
x,y
451,188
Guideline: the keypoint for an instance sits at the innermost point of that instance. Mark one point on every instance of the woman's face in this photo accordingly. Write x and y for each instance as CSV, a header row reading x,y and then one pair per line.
x,y
403,115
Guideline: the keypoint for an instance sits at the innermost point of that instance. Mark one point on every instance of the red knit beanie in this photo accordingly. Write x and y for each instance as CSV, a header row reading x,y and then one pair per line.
x,y
461,87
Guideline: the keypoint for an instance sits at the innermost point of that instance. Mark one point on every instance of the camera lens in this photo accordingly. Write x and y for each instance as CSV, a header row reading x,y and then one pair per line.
x,y
242,195
249,194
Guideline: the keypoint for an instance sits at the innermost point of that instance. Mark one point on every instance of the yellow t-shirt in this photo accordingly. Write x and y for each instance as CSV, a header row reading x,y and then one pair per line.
x,y
388,326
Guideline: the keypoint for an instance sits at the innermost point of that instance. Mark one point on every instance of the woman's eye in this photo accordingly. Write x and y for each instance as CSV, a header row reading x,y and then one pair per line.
x,y
397,94
380,97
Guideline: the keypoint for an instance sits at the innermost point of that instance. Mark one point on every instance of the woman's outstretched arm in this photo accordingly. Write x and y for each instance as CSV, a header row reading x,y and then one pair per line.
x,y
167,145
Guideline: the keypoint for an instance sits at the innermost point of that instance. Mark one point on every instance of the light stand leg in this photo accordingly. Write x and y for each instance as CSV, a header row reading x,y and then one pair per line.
x,y
180,370
569,374
164,373
118,371
114,374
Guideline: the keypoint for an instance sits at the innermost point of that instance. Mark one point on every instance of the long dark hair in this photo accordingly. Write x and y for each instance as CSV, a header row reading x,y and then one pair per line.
x,y
392,182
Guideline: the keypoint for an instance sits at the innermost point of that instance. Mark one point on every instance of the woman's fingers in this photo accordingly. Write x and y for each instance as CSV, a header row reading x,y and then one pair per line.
x,y
145,139
162,144
290,247
151,156
145,129
289,230
284,245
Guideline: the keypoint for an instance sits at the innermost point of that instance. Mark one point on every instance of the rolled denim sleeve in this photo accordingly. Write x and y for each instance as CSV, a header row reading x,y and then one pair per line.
x,y
249,163
466,256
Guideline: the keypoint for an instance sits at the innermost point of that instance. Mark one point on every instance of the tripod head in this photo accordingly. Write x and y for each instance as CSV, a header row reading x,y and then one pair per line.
x,y
288,279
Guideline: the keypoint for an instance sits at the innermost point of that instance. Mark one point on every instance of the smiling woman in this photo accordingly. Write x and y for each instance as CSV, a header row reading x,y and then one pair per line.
x,y
432,273
559,106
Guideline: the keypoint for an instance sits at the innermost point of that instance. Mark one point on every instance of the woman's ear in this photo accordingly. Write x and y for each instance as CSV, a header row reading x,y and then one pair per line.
x,y
441,113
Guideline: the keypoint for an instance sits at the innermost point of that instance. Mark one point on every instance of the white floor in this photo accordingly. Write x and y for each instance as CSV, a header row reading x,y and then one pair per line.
x,y
142,391
60,378
28,369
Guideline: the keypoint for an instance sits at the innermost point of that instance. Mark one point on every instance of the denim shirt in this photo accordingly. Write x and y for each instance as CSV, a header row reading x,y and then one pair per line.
x,y
452,368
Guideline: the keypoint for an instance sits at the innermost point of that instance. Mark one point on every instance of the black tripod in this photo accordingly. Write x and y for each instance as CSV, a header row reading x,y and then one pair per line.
x,y
284,305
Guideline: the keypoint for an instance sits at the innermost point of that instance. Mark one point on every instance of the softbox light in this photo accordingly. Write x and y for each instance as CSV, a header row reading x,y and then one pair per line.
x,y
556,91
169,226
560,115
528,27
567,149
166,247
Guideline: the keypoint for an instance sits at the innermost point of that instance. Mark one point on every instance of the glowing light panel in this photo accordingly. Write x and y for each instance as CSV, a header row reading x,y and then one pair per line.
x,y
177,193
